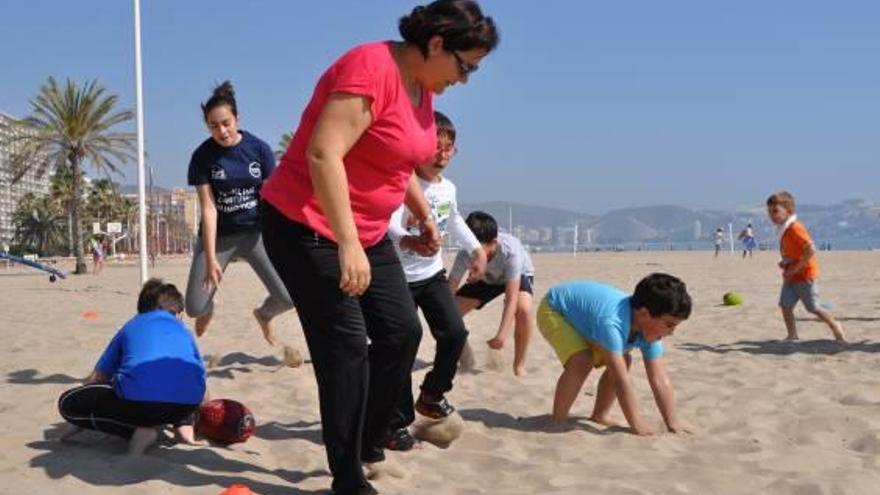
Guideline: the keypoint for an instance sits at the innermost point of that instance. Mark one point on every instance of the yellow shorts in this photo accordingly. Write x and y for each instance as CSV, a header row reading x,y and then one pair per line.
x,y
563,338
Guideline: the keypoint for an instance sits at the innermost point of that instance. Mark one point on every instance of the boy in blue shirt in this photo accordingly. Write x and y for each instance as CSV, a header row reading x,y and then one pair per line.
x,y
592,325
150,375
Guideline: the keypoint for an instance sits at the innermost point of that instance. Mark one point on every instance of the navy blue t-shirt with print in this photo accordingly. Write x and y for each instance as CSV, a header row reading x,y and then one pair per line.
x,y
235,175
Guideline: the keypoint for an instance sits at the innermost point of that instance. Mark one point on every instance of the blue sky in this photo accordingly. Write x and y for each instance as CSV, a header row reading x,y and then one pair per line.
x,y
586,105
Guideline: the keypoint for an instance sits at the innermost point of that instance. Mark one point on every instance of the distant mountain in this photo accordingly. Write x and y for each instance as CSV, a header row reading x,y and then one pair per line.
x,y
529,216
852,219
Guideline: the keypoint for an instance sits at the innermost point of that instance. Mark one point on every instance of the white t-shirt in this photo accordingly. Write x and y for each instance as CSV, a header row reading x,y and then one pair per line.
x,y
441,198
511,261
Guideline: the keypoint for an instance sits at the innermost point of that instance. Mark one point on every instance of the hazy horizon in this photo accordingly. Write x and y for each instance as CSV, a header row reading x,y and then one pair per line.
x,y
585,107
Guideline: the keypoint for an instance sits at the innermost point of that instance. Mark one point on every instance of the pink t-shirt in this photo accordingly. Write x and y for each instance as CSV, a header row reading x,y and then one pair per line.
x,y
380,163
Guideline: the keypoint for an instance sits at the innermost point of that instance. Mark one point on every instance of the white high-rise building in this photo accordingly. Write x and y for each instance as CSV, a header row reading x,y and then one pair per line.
x,y
10,194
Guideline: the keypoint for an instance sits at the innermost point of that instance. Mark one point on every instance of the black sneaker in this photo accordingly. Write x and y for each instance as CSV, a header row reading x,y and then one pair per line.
x,y
400,440
434,410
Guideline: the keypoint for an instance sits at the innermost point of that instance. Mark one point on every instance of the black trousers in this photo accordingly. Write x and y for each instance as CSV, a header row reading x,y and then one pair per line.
x,y
358,384
447,327
97,407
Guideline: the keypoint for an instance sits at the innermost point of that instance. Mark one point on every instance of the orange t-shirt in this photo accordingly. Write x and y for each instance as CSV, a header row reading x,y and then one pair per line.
x,y
794,242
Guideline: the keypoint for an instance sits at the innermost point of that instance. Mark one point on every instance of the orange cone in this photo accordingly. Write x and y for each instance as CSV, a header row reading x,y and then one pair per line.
x,y
90,314
237,489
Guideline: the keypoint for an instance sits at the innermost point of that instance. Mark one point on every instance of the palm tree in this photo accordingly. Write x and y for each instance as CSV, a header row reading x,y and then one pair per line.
x,y
102,199
71,125
38,224
61,190
283,144
128,210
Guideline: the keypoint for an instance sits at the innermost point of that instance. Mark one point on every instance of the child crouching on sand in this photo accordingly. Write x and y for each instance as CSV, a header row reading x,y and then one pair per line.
x,y
593,325
150,375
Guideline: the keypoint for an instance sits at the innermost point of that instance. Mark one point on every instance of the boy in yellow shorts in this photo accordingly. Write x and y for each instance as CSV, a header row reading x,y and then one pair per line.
x,y
592,325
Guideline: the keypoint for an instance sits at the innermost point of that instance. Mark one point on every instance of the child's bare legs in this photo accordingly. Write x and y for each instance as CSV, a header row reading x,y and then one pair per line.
x,y
202,323
522,332
834,325
606,396
790,325
467,361
569,384
141,440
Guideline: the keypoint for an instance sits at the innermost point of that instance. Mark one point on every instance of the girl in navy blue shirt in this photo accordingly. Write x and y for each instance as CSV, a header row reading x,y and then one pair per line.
x,y
228,170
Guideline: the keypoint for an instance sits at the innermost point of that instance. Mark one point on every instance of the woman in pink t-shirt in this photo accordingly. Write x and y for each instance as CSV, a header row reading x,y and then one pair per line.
x,y
327,207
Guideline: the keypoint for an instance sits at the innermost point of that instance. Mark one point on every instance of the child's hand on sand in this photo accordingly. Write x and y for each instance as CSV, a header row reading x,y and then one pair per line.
x,y
495,343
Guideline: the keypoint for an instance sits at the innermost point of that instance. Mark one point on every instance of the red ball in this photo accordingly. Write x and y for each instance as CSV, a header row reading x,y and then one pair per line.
x,y
225,420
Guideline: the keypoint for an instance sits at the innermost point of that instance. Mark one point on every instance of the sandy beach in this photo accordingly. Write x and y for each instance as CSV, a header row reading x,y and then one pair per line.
x,y
768,416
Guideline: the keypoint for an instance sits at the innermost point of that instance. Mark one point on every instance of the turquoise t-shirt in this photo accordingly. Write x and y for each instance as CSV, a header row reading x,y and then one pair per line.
x,y
602,314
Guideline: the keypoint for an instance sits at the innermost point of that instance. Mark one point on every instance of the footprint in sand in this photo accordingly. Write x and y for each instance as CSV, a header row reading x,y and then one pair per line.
x,y
867,444
857,399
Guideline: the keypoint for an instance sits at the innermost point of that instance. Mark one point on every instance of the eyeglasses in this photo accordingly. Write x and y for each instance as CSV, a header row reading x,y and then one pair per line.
x,y
464,68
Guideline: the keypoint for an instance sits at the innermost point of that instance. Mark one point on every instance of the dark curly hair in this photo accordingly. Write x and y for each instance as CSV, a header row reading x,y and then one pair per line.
x,y
662,294
156,294
460,23
224,94
483,225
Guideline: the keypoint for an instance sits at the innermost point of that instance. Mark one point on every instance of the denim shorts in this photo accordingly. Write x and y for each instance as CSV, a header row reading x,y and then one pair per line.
x,y
792,292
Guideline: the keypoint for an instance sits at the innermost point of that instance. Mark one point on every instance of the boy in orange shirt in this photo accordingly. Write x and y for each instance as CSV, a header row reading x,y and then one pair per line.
x,y
799,266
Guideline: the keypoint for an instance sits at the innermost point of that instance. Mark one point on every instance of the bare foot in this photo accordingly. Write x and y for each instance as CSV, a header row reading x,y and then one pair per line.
x,y
202,324
606,421
682,428
67,432
837,330
791,338
186,434
495,343
141,440
519,370
266,327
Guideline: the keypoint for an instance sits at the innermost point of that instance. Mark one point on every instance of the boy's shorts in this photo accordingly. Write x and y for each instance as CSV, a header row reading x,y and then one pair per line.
x,y
485,293
563,338
792,292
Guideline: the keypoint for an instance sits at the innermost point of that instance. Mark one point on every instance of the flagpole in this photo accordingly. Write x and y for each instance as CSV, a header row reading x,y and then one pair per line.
x,y
139,112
